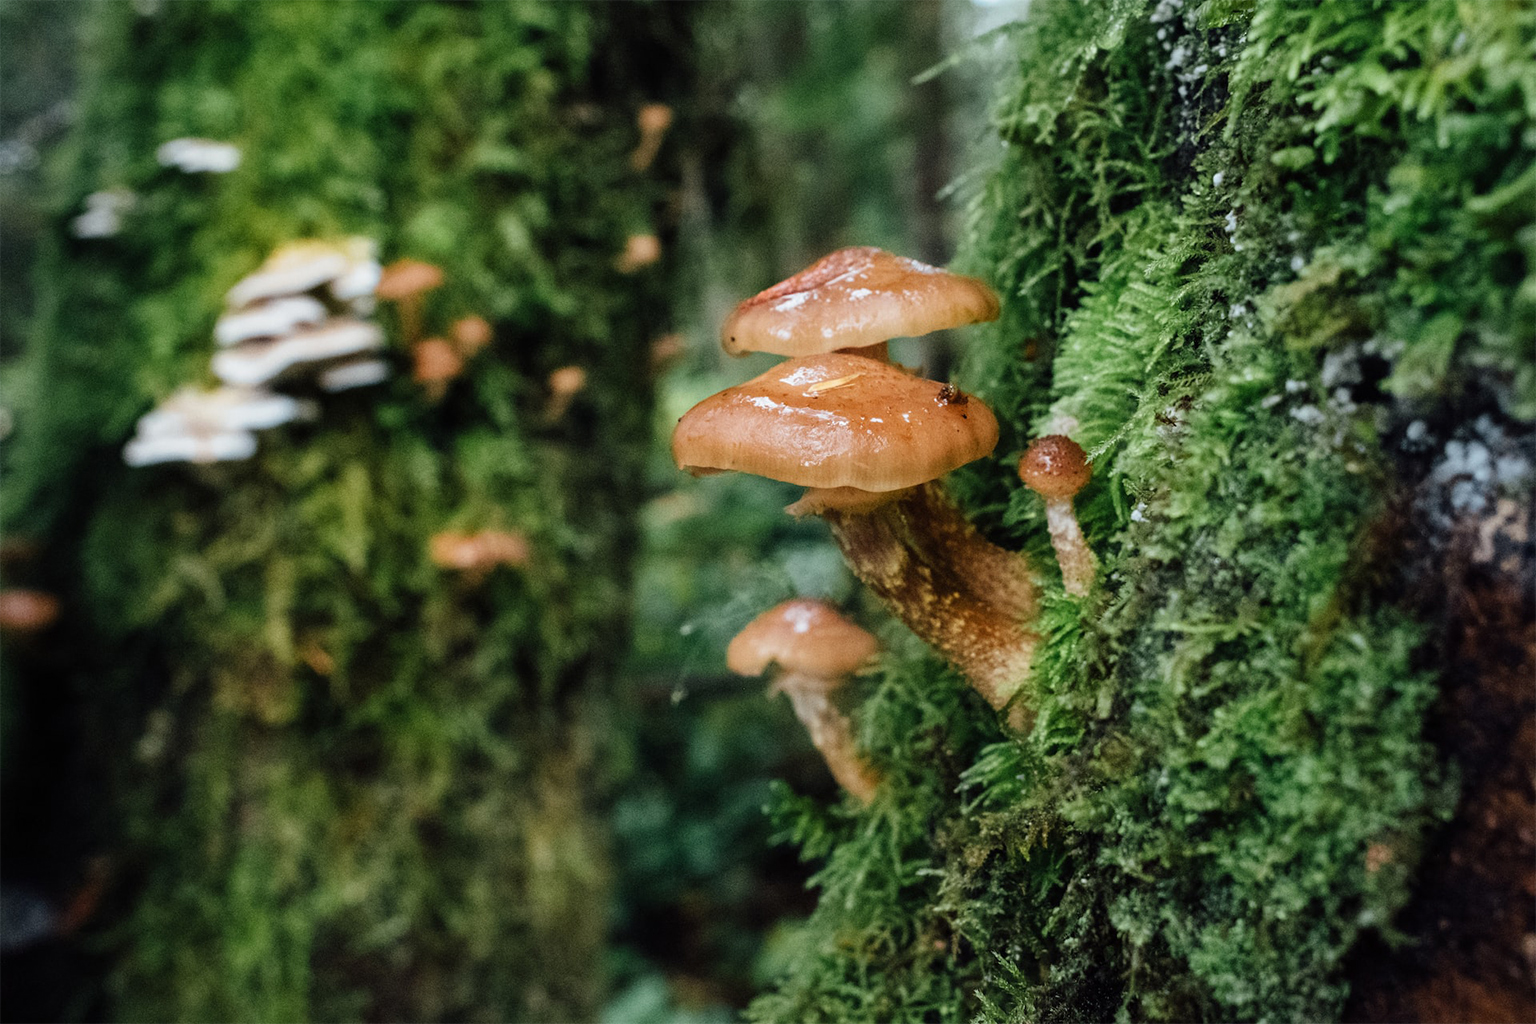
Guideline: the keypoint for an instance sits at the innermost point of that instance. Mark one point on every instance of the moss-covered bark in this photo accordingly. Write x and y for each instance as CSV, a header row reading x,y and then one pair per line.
x,y
1272,265
340,781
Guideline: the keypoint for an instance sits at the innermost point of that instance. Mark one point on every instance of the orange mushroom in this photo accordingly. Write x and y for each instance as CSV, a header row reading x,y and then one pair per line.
x,y
404,282
27,611
813,650
437,363
1056,468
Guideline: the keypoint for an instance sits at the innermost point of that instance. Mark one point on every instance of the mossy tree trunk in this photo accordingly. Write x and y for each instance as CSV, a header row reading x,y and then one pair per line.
x,y
1272,265
341,781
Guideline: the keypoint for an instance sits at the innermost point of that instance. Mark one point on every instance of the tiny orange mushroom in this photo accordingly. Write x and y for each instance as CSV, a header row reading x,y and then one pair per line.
x,y
1056,468
812,650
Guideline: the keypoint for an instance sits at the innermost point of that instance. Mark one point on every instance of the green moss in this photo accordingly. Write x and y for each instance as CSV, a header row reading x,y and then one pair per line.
x,y
1201,214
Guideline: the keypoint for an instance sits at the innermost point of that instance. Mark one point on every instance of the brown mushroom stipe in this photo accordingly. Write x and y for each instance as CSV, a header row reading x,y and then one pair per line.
x,y
839,421
815,649
1056,468
855,298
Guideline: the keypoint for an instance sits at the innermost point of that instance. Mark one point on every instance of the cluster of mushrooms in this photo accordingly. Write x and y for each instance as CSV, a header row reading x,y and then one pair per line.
x,y
870,440
299,319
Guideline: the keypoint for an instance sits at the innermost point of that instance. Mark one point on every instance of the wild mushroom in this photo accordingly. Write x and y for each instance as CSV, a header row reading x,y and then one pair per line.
x,y
856,299
259,362
564,385
270,319
292,269
196,156
436,363
471,334
870,440
358,373
209,426
815,650
404,282
653,120
479,551
1056,468
27,611
640,251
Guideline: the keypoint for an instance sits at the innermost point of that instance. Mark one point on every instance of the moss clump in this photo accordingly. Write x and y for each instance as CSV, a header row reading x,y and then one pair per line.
x,y
1248,253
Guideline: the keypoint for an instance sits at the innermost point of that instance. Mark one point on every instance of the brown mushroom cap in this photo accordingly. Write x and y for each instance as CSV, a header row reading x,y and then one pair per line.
x,y
404,278
26,611
1055,466
804,636
853,298
836,420
437,361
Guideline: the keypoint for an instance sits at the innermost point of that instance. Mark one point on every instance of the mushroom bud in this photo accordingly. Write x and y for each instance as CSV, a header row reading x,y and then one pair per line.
x,y
437,363
870,440
564,385
471,334
814,650
1056,468
639,251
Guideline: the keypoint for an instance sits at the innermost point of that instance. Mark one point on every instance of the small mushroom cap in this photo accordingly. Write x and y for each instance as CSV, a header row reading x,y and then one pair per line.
x,y
257,362
437,361
836,420
1055,466
854,298
471,334
404,278
803,636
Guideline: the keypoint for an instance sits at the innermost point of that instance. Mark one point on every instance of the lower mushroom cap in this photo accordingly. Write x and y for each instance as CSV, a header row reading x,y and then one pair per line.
x,y
836,420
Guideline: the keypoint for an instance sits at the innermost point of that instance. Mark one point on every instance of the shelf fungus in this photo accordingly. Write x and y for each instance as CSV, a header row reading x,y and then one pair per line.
x,y
1056,468
870,441
210,426
812,650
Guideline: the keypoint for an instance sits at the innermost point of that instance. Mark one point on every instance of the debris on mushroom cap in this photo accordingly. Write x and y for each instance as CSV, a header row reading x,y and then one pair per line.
x,y
404,278
1055,466
639,251
803,636
258,362
854,298
226,446
358,373
270,319
471,334
483,549
25,611
220,410
836,420
437,362
197,155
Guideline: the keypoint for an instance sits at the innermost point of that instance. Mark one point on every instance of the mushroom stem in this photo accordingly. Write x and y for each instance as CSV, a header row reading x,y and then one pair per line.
x,y
960,594
831,732
1078,566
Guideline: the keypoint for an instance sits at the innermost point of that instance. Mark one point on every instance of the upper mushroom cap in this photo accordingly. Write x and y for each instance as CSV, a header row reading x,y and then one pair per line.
x,y
854,298
804,636
1055,466
836,420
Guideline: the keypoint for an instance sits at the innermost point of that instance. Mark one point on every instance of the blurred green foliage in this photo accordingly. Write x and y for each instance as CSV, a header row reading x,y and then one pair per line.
x,y
335,781
1200,214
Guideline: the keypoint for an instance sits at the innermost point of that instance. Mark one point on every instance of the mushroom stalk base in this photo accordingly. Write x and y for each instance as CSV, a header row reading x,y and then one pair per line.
x,y
960,594
831,732
1078,566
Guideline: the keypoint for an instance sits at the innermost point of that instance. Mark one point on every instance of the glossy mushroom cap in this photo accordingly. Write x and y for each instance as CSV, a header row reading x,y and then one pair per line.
x,y
1055,467
404,278
855,298
802,636
836,420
